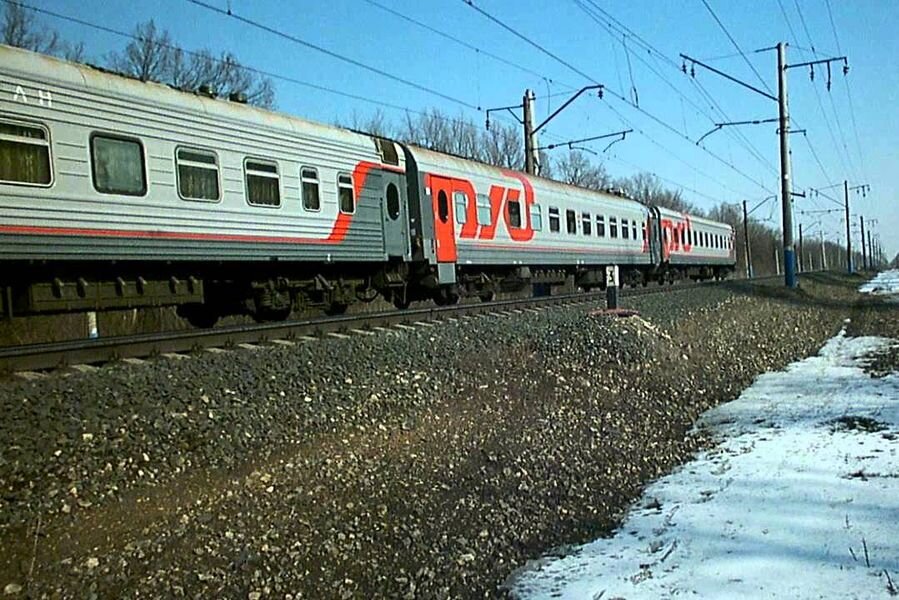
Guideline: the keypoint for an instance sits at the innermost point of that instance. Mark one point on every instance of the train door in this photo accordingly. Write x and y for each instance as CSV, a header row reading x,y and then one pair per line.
x,y
444,224
393,215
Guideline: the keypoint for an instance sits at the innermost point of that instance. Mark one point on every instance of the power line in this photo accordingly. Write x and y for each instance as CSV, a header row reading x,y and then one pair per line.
x,y
262,72
610,91
668,151
848,165
607,25
858,143
526,39
665,179
737,46
737,136
818,98
332,54
457,40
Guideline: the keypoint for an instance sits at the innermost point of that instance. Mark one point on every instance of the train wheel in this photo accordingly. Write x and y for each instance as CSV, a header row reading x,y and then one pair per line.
x,y
198,315
401,303
335,309
446,296
487,296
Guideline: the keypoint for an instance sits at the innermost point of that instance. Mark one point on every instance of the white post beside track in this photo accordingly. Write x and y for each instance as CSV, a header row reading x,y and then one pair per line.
x,y
612,287
92,331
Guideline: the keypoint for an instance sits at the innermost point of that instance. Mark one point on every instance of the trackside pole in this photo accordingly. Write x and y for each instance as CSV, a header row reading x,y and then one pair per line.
x,y
789,250
612,287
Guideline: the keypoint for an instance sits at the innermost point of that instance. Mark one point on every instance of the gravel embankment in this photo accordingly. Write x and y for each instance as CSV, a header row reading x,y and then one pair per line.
x,y
426,463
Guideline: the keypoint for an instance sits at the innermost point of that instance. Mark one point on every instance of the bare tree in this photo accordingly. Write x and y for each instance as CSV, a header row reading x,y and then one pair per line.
x,y
153,56
577,169
149,57
374,124
648,189
21,29
503,146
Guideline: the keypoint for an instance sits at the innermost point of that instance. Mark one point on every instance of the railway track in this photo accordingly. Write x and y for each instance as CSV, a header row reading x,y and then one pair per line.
x,y
38,357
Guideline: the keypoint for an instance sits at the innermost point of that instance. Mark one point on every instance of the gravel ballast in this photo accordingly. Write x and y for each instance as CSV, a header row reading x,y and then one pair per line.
x,y
411,463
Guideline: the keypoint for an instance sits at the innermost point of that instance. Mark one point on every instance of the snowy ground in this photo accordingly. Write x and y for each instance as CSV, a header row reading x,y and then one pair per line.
x,y
800,499
885,283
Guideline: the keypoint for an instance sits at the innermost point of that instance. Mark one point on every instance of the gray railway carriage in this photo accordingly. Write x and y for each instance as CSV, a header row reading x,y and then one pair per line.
x,y
119,193
694,247
116,193
498,229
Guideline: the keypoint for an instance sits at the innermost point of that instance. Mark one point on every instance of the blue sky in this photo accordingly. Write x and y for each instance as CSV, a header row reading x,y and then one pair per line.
x,y
740,163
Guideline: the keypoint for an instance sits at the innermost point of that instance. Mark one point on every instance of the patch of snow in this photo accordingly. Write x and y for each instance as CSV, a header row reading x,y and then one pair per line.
x,y
799,499
886,283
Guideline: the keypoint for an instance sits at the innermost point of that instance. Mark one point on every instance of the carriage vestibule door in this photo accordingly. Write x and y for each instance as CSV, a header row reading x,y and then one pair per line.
x,y
444,223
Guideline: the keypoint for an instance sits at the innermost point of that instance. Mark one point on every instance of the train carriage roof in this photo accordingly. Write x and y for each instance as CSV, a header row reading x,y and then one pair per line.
x,y
43,69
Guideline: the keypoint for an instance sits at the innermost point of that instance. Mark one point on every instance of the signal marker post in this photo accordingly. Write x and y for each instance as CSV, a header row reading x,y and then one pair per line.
x,y
612,287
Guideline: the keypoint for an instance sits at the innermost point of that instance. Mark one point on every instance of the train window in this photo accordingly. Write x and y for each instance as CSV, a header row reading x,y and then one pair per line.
x,y
198,174
442,207
309,188
554,219
600,226
571,221
514,213
613,227
346,198
634,229
625,232
393,202
586,222
483,210
263,183
461,201
388,151
24,154
643,232
118,165
536,218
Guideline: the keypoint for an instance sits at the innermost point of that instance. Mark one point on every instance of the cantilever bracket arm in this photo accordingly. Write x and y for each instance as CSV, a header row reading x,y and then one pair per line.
x,y
508,108
759,205
570,144
726,76
599,87
721,125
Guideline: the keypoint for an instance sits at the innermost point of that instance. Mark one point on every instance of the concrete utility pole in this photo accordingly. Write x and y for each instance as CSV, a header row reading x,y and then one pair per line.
x,y
785,184
531,148
789,249
801,264
870,251
864,250
530,137
823,253
746,242
776,260
848,232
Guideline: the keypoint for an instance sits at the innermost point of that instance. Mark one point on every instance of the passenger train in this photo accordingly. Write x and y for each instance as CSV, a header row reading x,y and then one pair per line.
x,y
117,193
